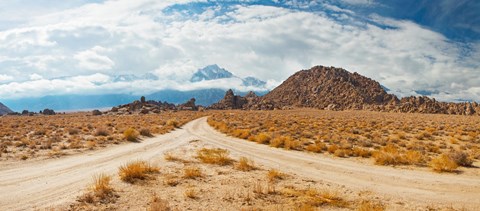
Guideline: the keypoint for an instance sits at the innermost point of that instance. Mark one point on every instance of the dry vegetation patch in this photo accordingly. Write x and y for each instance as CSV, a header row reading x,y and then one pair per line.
x,y
29,137
136,170
389,138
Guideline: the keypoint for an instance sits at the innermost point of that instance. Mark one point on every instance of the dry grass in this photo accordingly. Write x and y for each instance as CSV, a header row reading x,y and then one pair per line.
x,y
314,198
443,163
158,204
191,193
274,175
245,164
192,172
214,156
390,138
131,134
76,132
368,205
100,191
136,170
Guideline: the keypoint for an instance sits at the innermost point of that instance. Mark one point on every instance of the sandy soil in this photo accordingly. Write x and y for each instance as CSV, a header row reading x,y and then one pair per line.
x,y
56,182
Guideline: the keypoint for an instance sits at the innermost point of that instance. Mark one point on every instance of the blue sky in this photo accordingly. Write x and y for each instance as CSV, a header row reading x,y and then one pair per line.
x,y
75,47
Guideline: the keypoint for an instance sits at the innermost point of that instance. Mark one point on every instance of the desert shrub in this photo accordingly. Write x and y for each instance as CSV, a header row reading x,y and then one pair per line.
x,y
290,143
388,155
136,170
158,204
214,156
100,191
245,164
146,132
241,133
131,134
274,175
277,141
190,193
263,138
332,148
73,131
192,172
414,158
368,205
101,132
341,153
173,123
461,158
443,163
317,147
101,186
361,152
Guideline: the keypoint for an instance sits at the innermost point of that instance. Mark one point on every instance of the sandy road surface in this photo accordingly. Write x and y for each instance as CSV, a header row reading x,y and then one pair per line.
x,y
52,182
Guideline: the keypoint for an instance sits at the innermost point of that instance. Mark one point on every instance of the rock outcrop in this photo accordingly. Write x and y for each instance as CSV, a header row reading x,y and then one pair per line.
x,y
333,88
328,88
143,106
4,109
230,101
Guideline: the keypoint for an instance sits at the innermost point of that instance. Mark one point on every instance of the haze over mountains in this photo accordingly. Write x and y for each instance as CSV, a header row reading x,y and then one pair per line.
x,y
201,80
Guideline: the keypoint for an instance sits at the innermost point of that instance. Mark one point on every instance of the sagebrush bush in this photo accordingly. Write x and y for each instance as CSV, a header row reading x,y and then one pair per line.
x,y
192,172
245,164
263,138
136,170
214,156
443,163
131,134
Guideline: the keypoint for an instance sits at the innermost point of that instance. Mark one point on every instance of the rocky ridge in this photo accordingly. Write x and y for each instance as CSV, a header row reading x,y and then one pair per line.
x,y
143,106
333,88
4,109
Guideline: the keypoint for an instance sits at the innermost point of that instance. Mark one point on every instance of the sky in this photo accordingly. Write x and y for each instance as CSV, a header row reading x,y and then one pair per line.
x,y
77,47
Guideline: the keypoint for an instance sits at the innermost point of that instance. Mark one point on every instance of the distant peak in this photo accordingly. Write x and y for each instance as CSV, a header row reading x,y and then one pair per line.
x,y
210,72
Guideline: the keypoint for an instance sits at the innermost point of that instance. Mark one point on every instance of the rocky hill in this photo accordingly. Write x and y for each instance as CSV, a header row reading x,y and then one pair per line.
x,y
328,88
4,109
337,89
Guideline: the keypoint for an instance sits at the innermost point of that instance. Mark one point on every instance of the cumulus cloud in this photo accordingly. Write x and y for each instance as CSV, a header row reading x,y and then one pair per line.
x,y
93,59
269,42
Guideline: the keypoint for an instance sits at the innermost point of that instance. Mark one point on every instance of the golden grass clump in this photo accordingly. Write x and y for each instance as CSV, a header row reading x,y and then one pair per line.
x,y
173,123
146,132
388,155
136,170
100,190
131,134
158,204
191,193
443,163
367,205
192,172
274,175
245,164
214,156
101,132
263,138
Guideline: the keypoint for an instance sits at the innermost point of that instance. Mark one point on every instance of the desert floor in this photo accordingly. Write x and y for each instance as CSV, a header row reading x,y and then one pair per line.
x,y
307,180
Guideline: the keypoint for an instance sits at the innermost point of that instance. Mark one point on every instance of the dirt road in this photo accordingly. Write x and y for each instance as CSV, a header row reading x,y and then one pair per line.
x,y
52,182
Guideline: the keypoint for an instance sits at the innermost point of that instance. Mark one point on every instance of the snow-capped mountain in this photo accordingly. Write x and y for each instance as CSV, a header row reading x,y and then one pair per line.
x,y
210,72
214,72
251,81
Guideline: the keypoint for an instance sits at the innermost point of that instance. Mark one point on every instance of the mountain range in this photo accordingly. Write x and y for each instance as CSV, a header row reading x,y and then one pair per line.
x,y
204,96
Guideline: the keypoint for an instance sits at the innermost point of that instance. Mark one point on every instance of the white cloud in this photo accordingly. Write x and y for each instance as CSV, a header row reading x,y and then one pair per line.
x,y
4,77
271,43
35,77
93,60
